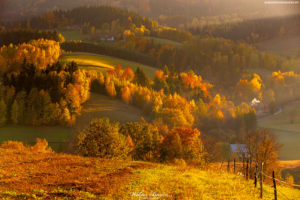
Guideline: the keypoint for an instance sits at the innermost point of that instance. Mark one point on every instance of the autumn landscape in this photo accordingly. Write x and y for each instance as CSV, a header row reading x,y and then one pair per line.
x,y
131,99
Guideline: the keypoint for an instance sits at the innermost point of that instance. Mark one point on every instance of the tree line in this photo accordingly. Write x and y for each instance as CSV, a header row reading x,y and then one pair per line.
x,y
236,28
141,141
38,52
21,36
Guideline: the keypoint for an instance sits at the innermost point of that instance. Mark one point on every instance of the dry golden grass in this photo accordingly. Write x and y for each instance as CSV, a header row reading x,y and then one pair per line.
x,y
288,164
39,173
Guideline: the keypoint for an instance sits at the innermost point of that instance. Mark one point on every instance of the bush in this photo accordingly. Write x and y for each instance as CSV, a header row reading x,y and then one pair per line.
x,y
40,146
13,145
103,140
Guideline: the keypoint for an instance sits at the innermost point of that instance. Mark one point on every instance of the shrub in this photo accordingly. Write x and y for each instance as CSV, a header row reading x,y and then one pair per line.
x,y
289,179
102,139
13,145
40,146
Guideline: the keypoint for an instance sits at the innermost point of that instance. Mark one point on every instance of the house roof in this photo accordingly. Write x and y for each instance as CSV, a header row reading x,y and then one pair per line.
x,y
238,147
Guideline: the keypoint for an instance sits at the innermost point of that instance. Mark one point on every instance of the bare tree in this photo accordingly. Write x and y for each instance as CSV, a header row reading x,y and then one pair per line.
x,y
263,146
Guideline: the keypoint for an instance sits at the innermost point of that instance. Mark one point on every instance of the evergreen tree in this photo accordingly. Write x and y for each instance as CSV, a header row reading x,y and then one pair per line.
x,y
176,148
15,112
166,70
3,113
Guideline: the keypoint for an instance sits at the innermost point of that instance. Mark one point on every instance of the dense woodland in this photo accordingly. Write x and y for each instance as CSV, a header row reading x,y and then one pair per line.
x,y
21,36
223,63
235,28
44,97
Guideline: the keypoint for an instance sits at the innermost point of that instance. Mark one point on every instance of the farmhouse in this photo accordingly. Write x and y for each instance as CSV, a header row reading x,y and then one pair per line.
x,y
239,151
259,107
107,37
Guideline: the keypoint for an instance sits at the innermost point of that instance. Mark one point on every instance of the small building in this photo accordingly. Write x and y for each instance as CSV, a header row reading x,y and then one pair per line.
x,y
239,151
259,107
107,37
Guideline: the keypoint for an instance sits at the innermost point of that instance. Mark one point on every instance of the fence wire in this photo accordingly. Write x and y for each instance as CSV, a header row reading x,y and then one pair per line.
x,y
259,174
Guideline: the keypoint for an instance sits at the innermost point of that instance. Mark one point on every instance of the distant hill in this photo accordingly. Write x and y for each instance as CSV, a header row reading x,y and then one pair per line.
x,y
17,9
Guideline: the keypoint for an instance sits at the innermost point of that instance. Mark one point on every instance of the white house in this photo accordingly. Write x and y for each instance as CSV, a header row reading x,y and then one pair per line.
x,y
107,37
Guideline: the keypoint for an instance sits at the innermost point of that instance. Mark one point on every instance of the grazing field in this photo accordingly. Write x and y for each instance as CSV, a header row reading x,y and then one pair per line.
x,y
31,174
288,134
102,106
102,63
71,34
98,106
287,46
164,41
29,134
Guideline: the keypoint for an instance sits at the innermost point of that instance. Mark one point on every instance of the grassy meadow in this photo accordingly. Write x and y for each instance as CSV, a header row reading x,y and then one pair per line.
x,y
101,63
287,46
164,41
70,34
97,107
38,173
288,134
103,106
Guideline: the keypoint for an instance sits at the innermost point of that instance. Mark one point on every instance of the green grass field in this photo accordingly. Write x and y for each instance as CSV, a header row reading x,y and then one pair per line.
x,y
28,134
97,107
287,46
164,41
101,63
71,34
288,134
103,106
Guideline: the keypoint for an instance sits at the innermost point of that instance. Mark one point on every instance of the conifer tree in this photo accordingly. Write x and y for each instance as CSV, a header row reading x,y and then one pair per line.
x,y
3,113
15,112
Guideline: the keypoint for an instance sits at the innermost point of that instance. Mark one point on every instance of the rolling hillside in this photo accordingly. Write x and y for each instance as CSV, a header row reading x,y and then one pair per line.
x,y
102,63
38,173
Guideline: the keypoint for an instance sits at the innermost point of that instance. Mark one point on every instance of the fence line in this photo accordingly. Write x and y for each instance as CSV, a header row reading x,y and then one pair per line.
x,y
281,181
244,171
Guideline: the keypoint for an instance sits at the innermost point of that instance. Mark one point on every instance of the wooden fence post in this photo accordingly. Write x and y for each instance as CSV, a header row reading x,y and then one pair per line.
x,y
244,166
247,170
261,179
234,164
255,182
229,165
275,191
250,169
